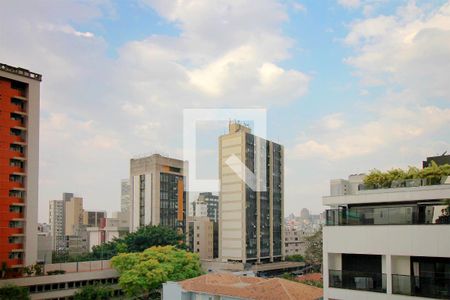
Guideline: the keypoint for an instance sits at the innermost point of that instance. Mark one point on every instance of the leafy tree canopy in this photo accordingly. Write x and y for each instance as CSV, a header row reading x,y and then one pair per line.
x,y
8,292
138,241
143,272
314,248
94,292
295,257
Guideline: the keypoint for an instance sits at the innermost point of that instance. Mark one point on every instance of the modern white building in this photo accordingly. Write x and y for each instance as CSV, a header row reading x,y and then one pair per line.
x,y
389,243
251,212
56,220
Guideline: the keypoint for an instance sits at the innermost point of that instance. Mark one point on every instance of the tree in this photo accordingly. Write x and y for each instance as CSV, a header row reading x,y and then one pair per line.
x,y
148,236
314,248
94,292
143,238
295,257
143,272
8,292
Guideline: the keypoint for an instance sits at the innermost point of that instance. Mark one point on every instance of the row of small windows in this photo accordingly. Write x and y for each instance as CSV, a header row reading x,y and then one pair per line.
x,y
39,288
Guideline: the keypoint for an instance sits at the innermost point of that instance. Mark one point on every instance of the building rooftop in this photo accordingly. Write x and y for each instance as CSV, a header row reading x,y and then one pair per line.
x,y
20,72
226,284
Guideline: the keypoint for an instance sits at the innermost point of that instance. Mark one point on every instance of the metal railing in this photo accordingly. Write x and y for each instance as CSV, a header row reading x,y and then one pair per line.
x,y
354,280
386,216
432,286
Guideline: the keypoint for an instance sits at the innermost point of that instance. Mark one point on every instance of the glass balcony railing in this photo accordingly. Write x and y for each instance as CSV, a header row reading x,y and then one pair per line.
x,y
438,213
435,286
353,280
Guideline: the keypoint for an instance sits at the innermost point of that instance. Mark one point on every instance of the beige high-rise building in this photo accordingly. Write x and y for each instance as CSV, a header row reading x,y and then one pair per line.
x,y
158,195
200,236
73,215
251,226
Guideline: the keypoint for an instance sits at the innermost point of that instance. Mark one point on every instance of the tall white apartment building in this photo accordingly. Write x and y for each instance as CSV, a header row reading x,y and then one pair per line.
x,y
251,226
387,243
56,221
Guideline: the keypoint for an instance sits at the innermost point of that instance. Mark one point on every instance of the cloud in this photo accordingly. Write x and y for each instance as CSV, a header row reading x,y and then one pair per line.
x,y
350,3
97,110
404,49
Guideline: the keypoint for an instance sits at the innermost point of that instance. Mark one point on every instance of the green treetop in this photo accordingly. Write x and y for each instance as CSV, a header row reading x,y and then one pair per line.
x,y
143,272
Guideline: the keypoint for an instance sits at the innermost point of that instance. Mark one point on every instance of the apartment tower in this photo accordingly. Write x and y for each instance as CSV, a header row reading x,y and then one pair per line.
x,y
158,195
19,165
57,222
251,226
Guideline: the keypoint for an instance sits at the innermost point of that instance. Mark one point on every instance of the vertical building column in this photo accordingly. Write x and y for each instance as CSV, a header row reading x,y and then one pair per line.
x,y
388,261
270,183
325,275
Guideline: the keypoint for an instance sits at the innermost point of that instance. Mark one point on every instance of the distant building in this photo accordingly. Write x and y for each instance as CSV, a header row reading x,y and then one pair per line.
x,y
125,196
158,194
73,215
19,165
78,242
56,220
207,205
251,223
304,214
93,218
45,248
294,240
387,243
439,160
225,286
108,230
200,236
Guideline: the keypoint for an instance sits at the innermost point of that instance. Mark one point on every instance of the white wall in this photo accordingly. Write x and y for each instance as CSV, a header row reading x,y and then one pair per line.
x,y
402,240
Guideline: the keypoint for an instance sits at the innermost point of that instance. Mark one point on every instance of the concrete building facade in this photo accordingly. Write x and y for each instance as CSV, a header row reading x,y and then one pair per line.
x,y
73,215
387,243
200,236
125,196
93,218
158,194
294,242
251,222
19,165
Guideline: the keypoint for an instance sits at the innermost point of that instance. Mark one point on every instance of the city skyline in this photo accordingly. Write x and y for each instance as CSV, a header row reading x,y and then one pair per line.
x,y
114,73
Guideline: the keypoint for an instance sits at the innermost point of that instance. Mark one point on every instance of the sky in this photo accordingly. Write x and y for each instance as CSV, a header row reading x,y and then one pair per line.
x,y
349,85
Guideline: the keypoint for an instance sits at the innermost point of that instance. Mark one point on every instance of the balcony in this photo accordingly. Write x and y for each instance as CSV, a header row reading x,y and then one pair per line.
x,y
437,285
436,213
363,281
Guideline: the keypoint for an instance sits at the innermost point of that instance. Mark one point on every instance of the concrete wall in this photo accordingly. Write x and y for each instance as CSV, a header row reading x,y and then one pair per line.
x,y
402,240
391,195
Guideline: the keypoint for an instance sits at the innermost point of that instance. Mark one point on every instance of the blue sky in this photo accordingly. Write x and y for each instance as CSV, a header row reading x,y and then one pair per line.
x,y
349,85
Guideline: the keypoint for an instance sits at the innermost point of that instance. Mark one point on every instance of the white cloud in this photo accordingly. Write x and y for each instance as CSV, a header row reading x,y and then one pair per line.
x,y
350,3
97,110
405,49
